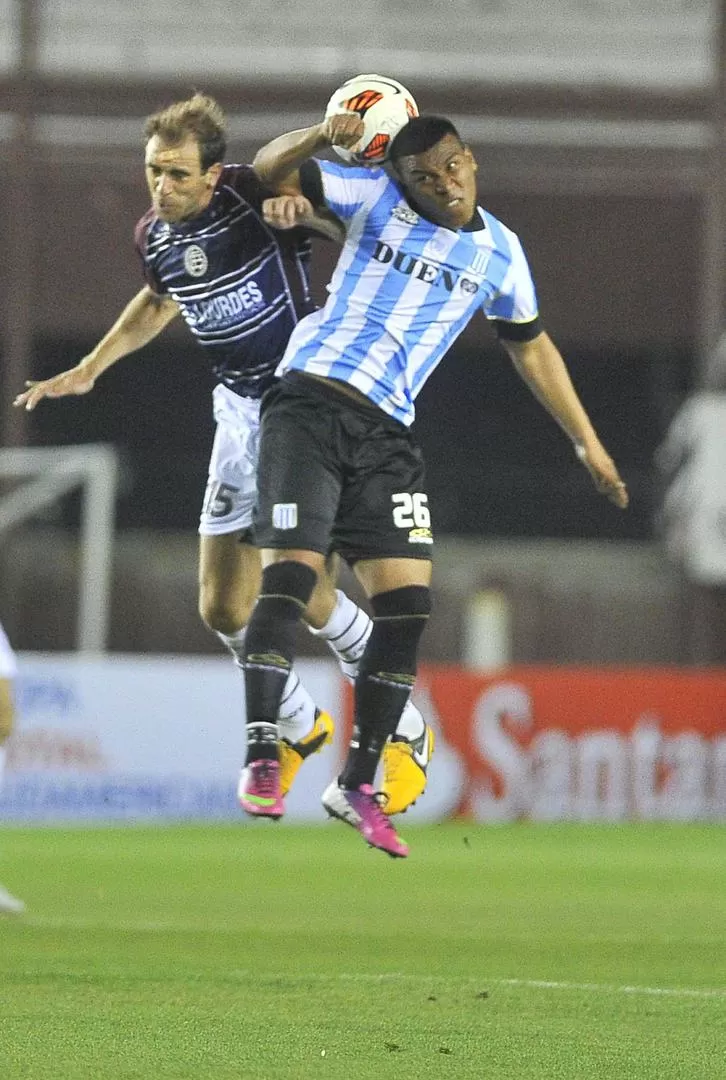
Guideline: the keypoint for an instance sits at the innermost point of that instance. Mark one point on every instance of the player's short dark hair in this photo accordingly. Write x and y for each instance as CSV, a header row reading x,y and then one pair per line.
x,y
420,134
199,116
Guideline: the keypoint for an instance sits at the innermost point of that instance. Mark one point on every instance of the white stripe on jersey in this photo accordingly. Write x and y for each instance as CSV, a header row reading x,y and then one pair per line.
x,y
403,290
202,290
190,234
236,333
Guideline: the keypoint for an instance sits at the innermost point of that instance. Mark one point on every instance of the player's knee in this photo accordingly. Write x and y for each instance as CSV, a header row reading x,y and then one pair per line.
x,y
399,619
288,580
221,613
410,601
286,589
323,599
284,594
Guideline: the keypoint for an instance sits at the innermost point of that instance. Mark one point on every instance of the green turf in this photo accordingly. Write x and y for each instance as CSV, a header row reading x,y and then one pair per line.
x,y
268,952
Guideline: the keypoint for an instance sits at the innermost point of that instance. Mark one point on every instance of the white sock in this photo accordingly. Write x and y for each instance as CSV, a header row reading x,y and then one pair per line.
x,y
346,633
412,725
296,715
235,642
297,709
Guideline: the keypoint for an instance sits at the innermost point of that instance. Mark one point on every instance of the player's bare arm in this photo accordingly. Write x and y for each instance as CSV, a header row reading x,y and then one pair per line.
x,y
277,162
141,320
290,211
542,367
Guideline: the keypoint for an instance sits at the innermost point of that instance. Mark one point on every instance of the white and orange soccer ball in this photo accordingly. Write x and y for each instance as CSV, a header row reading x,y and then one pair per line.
x,y
384,105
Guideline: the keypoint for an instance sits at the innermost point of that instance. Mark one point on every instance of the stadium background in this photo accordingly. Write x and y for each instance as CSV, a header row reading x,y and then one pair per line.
x,y
568,941
598,128
600,147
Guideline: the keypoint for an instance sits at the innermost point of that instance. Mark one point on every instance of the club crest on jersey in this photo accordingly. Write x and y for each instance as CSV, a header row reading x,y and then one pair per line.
x,y
479,263
405,214
196,262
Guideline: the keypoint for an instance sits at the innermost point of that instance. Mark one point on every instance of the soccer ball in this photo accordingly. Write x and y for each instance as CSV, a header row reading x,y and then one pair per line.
x,y
384,105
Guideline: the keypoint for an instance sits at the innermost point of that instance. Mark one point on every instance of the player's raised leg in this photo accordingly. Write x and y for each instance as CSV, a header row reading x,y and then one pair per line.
x,y
229,577
400,600
407,754
229,569
285,592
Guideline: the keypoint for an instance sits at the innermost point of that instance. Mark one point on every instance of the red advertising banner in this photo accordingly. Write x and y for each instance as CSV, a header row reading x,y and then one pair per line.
x,y
579,743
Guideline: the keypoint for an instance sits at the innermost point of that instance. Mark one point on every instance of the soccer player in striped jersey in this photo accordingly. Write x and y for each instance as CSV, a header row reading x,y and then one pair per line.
x,y
9,904
241,287
338,463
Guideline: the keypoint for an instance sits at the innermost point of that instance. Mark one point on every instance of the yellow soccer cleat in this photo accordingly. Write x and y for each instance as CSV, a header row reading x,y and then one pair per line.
x,y
292,754
404,771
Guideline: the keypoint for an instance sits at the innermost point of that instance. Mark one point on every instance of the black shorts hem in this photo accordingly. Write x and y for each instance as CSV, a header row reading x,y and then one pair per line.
x,y
354,557
291,545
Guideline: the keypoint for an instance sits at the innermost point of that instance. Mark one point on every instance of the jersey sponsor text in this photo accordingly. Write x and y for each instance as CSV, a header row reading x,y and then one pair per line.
x,y
222,311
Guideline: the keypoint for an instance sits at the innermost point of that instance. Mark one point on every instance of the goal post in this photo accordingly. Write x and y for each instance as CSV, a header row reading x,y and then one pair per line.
x,y
46,475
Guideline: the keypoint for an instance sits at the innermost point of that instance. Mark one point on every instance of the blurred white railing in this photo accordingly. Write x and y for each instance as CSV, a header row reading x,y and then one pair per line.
x,y
49,473
659,43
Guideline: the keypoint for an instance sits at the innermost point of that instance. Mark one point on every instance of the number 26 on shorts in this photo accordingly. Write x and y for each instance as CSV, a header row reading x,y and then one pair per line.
x,y
411,511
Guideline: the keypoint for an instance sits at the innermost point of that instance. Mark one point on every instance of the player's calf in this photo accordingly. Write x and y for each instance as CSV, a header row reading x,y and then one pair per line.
x,y
385,678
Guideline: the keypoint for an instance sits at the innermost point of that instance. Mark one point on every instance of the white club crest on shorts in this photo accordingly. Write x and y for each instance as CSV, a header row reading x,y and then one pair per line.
x,y
284,516
195,260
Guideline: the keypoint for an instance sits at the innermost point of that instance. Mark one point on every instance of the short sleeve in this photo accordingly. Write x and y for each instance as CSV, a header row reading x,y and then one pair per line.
x,y
344,189
141,235
515,301
243,180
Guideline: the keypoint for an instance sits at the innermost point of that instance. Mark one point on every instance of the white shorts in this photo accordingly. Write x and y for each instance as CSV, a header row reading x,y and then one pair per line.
x,y
229,500
8,663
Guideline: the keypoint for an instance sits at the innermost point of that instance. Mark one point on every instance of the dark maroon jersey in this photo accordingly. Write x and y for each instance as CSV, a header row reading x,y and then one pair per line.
x,y
240,285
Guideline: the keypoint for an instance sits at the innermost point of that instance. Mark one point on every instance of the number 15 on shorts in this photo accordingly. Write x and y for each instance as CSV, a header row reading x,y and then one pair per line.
x,y
411,511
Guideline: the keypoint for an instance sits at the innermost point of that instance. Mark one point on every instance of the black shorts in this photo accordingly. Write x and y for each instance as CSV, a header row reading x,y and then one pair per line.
x,y
336,475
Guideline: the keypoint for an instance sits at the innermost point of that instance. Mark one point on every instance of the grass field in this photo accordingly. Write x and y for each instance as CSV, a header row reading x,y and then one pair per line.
x,y
273,952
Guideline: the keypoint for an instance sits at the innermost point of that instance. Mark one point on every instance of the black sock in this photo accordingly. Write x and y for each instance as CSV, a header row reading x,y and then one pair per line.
x,y
270,649
262,743
386,676
380,699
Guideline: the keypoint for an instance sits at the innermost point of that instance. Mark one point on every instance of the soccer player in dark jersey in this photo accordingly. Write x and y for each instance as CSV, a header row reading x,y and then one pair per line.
x,y
241,287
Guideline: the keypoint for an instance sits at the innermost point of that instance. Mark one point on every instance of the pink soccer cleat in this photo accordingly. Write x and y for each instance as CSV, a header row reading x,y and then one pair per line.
x,y
360,808
259,790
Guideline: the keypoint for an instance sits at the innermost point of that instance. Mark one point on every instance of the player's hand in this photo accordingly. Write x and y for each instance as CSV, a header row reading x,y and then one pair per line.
x,y
287,211
343,129
73,381
605,475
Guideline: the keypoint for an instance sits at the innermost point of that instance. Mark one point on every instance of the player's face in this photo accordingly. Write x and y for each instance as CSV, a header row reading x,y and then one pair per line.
x,y
179,187
442,182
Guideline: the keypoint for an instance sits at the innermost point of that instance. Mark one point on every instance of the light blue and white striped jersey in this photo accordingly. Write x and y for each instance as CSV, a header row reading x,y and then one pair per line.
x,y
403,290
